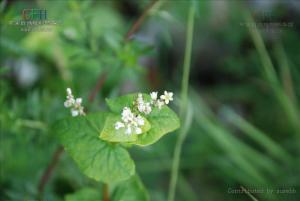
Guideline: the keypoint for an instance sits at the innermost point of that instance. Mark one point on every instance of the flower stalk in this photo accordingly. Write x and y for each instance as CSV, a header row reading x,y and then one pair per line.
x,y
183,105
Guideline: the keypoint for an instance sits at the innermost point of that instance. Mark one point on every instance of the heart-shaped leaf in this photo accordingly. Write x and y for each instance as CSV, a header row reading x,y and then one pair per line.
x,y
162,121
98,159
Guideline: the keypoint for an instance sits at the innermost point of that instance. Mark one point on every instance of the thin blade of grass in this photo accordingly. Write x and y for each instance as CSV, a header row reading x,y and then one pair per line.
x,y
287,105
233,151
259,136
286,76
184,110
249,194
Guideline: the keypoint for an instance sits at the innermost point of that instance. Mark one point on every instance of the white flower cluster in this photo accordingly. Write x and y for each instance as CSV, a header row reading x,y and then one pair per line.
x,y
132,122
142,106
164,99
74,104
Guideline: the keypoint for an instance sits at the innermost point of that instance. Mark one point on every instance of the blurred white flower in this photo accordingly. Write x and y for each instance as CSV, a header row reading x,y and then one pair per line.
x,y
140,120
74,104
142,106
25,71
148,108
69,92
130,122
127,115
167,97
119,125
153,96
138,130
159,104
128,130
70,99
74,112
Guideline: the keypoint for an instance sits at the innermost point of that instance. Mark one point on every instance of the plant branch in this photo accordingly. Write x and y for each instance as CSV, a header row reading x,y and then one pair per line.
x,y
97,87
47,173
136,25
184,114
105,192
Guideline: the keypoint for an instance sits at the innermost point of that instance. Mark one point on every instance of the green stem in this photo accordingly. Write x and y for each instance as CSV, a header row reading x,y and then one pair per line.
x,y
183,106
187,60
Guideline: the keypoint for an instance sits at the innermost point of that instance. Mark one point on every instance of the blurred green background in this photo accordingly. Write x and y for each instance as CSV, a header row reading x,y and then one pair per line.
x,y
244,92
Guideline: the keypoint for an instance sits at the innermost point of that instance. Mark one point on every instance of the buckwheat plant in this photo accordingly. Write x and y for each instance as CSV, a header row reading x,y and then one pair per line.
x,y
74,104
98,142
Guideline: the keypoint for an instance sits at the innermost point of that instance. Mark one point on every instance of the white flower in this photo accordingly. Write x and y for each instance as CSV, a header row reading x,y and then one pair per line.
x,y
153,96
128,130
119,125
127,115
68,103
167,97
69,91
126,111
78,101
138,130
159,104
148,108
74,112
140,121
140,98
81,111
74,104
140,103
142,106
130,121
70,99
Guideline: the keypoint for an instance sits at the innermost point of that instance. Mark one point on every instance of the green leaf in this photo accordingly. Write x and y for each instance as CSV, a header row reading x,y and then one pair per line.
x,y
86,194
162,121
130,190
116,105
98,159
109,132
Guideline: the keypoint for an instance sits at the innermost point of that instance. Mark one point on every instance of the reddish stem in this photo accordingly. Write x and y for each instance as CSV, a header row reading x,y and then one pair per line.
x,y
97,87
105,192
136,25
50,168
